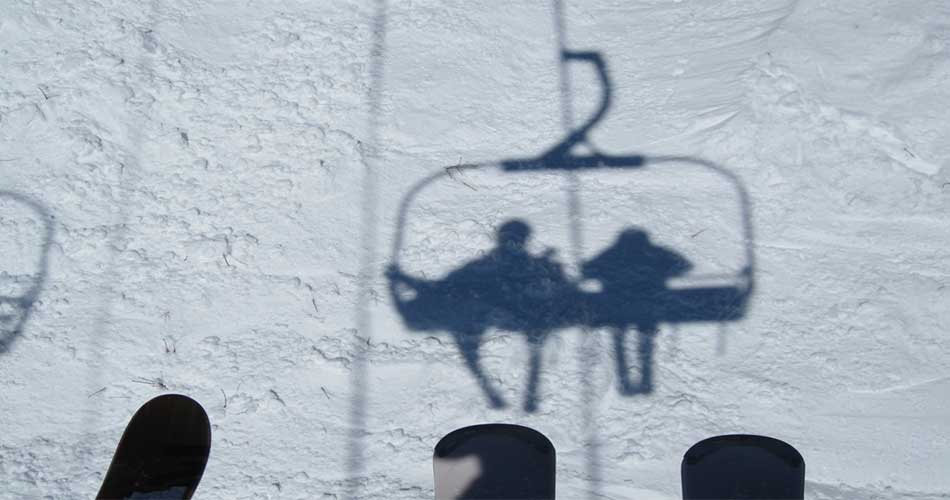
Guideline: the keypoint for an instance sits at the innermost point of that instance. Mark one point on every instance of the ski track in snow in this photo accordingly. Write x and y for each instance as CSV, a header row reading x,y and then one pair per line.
x,y
202,167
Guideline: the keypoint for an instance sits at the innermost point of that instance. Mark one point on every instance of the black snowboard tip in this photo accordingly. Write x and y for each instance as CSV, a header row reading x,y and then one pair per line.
x,y
453,441
513,463
776,447
743,467
162,453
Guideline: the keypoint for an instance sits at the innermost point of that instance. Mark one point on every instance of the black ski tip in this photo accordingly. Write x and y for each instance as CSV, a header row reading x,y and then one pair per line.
x,y
743,466
162,453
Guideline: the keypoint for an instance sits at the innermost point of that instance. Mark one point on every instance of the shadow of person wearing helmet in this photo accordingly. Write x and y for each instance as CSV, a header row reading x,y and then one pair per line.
x,y
508,288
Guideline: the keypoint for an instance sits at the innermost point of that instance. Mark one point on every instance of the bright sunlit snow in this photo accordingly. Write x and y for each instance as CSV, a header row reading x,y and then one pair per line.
x,y
348,228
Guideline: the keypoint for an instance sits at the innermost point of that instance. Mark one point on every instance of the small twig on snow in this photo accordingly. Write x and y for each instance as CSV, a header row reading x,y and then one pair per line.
x,y
458,169
157,382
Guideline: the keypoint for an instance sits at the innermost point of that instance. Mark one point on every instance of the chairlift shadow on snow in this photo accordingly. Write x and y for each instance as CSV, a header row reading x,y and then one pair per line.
x,y
22,274
512,289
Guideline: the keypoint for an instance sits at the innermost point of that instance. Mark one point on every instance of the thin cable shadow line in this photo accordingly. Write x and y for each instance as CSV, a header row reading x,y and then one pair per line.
x,y
585,354
355,461
29,298
98,340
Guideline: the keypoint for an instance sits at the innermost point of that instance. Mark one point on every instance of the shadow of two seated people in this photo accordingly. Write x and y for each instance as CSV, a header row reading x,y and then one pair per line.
x,y
511,289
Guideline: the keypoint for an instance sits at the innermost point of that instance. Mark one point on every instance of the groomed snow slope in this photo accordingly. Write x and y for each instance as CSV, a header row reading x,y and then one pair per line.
x,y
223,184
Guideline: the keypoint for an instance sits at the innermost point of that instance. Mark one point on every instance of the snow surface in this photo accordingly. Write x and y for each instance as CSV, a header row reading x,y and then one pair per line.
x,y
223,183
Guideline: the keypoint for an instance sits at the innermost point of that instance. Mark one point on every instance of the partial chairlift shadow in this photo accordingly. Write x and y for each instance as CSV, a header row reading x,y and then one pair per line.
x,y
19,290
507,288
512,289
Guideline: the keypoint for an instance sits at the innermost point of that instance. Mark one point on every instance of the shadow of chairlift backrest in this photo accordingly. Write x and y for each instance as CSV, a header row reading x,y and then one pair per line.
x,y
488,293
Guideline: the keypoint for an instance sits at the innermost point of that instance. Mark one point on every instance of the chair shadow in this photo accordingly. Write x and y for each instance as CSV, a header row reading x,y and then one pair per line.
x,y
511,289
21,291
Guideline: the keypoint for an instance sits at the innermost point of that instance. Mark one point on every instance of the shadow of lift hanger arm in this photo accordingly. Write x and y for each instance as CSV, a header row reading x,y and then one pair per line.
x,y
560,157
